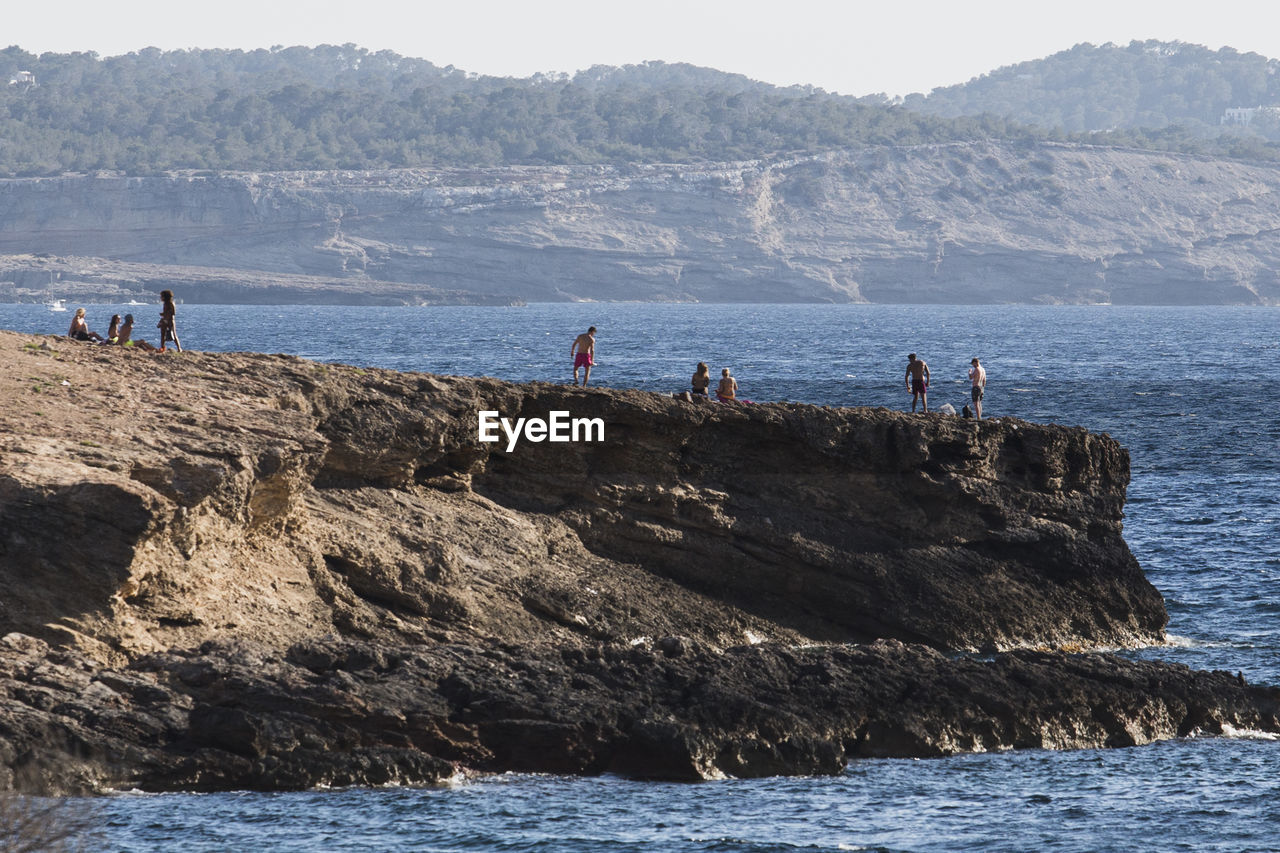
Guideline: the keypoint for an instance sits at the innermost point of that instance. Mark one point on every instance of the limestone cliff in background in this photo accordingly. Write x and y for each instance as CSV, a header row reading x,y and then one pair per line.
x,y
958,223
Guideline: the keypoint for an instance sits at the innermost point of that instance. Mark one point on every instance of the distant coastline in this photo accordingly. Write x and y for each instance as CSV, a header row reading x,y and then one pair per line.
x,y
962,223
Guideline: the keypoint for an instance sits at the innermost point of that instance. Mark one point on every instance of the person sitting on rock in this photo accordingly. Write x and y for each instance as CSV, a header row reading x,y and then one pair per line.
x,y
113,330
80,328
701,380
727,390
126,335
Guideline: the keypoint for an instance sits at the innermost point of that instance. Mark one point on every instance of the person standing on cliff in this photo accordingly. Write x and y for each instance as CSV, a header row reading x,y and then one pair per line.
x,y
978,379
168,324
918,381
584,354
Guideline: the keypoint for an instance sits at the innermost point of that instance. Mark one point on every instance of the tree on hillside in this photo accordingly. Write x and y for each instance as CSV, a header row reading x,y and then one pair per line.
x,y
1144,85
346,107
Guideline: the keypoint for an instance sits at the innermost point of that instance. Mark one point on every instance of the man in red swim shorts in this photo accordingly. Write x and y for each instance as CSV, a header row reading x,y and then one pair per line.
x,y
583,352
918,381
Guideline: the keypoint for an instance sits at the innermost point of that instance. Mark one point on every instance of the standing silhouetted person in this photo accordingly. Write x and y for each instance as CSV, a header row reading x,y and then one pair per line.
x,y
168,321
584,354
918,381
978,379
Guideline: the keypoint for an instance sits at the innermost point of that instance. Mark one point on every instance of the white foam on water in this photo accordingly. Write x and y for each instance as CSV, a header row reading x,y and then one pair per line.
x,y
1231,731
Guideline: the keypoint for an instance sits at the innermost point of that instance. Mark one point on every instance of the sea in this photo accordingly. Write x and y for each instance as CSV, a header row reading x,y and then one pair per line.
x,y
1193,393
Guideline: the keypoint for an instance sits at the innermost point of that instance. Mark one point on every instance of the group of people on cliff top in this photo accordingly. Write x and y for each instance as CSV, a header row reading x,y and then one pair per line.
x,y
120,332
917,379
726,388
583,351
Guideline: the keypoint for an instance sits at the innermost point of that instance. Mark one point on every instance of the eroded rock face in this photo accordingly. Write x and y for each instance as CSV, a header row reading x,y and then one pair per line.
x,y
284,498
231,570
981,222
234,715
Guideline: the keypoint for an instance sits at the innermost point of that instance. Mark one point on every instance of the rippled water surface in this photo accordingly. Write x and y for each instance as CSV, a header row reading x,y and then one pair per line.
x,y
1191,392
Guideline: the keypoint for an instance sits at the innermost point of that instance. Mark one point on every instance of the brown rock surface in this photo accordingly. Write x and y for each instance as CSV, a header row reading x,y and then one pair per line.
x,y
172,499
235,715
231,570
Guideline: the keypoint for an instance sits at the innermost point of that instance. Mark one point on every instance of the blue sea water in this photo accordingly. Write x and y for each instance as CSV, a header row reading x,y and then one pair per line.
x,y
1190,391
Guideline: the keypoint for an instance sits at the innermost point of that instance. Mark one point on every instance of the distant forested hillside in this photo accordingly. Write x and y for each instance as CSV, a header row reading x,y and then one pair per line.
x,y
344,107
347,108
1144,85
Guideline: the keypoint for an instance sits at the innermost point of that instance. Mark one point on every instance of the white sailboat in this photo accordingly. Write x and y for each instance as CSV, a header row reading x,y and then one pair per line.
x,y
53,304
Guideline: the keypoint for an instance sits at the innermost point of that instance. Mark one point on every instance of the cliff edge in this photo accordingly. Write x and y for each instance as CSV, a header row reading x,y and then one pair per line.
x,y
165,500
231,570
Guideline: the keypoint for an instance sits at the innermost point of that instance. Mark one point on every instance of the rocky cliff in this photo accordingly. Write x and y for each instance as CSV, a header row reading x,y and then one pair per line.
x,y
257,570
959,223
164,498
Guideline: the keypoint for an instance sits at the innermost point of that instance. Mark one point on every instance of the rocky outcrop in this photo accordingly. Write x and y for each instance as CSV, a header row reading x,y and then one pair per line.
x,y
291,498
957,223
329,712
257,570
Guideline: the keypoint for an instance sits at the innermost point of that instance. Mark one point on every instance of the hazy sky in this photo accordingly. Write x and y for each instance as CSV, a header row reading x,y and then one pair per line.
x,y
846,46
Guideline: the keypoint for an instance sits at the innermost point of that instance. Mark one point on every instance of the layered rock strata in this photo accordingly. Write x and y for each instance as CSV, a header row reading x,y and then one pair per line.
x,y
980,222
331,712
202,537
40,278
162,499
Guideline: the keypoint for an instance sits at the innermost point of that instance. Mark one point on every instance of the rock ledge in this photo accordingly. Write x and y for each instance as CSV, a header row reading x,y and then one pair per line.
x,y
243,570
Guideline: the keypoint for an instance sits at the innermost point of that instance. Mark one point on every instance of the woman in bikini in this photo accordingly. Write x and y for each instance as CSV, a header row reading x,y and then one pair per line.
x,y
701,380
168,321
727,390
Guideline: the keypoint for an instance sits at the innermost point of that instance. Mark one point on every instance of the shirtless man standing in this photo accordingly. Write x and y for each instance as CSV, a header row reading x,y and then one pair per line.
x,y
978,377
583,352
918,381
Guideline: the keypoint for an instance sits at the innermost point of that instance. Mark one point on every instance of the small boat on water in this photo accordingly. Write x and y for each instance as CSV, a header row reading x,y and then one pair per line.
x,y
56,305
